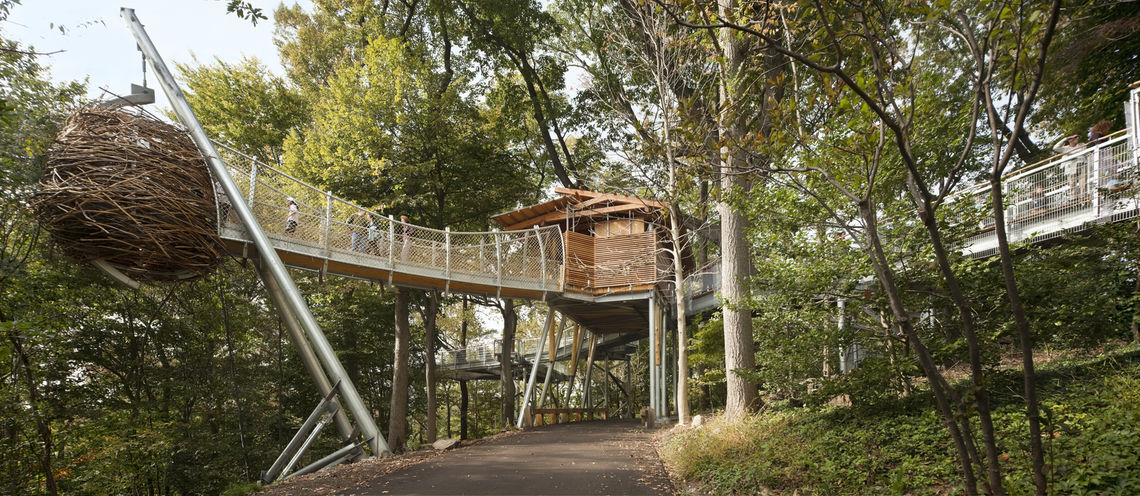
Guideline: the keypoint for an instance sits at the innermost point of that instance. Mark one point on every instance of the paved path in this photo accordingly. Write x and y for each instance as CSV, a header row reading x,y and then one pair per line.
x,y
610,457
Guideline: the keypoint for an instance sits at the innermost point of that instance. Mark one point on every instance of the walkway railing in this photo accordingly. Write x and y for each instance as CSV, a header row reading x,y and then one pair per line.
x,y
488,354
1062,194
335,229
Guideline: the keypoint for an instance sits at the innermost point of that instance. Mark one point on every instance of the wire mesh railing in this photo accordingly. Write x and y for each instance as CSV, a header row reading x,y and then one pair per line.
x,y
490,354
297,214
1066,192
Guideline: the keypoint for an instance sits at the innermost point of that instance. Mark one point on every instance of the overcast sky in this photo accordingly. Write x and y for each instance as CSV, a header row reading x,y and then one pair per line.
x,y
97,45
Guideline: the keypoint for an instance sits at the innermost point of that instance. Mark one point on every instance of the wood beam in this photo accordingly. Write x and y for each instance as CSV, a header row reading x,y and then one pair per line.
x,y
556,216
581,193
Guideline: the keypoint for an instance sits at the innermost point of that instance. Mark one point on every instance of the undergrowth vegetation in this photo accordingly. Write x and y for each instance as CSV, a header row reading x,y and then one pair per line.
x,y
1091,429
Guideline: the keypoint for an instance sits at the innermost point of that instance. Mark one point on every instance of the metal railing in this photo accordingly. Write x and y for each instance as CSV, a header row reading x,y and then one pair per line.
x,y
1064,193
332,228
488,354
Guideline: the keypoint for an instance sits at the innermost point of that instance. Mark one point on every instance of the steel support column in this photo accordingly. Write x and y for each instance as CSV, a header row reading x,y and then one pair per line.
x,y
550,363
308,358
534,368
274,267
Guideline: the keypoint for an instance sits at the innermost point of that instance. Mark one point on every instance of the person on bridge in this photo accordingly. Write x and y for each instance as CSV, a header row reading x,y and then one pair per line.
x,y
1037,205
358,226
1075,168
373,236
406,235
1111,177
292,219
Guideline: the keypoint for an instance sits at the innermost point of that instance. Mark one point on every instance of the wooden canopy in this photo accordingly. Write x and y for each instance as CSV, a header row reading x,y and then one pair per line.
x,y
577,204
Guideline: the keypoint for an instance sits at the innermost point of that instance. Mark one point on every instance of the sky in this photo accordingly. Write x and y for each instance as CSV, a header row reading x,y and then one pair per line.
x,y
97,45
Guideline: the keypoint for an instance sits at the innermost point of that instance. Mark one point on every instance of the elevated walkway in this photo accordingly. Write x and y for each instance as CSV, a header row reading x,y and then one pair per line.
x,y
522,264
331,236
1066,193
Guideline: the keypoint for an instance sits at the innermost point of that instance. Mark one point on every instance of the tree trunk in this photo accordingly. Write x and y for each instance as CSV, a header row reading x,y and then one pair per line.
x,y
1136,310
938,386
429,364
506,354
682,319
1029,376
739,352
398,411
464,401
33,401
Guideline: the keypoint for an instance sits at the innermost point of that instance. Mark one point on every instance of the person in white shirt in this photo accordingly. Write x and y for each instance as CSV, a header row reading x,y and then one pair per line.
x,y
292,219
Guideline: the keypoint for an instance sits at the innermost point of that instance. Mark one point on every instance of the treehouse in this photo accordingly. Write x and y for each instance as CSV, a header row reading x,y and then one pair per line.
x,y
613,244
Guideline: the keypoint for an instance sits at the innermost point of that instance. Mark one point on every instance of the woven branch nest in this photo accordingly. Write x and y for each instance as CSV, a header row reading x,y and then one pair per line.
x,y
133,191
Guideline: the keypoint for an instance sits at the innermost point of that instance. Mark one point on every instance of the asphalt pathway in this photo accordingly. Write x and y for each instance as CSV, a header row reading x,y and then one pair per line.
x,y
605,457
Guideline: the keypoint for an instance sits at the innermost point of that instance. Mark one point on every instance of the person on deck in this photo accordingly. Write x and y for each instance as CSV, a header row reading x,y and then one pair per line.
x,y
1111,177
373,236
1074,168
406,237
358,226
292,219
1037,205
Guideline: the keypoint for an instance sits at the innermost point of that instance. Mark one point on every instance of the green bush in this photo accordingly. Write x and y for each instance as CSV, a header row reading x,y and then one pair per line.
x,y
1091,412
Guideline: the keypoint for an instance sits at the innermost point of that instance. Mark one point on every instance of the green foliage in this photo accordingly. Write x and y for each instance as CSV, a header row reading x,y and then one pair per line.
x,y
245,106
245,10
1091,68
902,448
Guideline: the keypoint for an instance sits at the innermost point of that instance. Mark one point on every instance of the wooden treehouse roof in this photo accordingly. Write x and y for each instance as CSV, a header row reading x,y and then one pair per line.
x,y
577,204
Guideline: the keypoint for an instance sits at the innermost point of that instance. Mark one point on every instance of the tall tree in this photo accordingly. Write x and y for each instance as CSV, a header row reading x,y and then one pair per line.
x,y
398,408
245,106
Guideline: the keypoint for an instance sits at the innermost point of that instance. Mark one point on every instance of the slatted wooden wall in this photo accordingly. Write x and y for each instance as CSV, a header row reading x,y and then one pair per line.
x,y
579,260
625,260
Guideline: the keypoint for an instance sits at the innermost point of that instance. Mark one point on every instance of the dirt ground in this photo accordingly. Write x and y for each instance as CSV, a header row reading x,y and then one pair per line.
x,y
605,457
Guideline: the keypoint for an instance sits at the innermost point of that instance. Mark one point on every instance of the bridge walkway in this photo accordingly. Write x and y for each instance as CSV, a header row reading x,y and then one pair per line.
x,y
315,230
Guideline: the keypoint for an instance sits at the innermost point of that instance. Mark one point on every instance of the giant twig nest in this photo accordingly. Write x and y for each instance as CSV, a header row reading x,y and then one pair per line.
x,y
133,191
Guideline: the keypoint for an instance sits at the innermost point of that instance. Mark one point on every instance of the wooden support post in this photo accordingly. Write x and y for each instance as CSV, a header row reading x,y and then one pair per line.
x,y
653,357
574,361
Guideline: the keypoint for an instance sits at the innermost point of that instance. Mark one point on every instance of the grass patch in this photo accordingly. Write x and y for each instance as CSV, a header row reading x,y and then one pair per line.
x,y
1091,423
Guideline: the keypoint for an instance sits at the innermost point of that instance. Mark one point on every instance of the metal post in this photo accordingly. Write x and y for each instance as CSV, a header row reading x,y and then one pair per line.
x,y
328,224
447,259
498,260
326,405
305,445
268,255
328,233
542,257
550,362
252,182
534,368
332,459
1094,166
308,358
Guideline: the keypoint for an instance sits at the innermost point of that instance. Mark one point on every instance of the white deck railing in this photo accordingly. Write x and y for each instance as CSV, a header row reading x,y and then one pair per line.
x,y
1096,184
488,354
331,228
